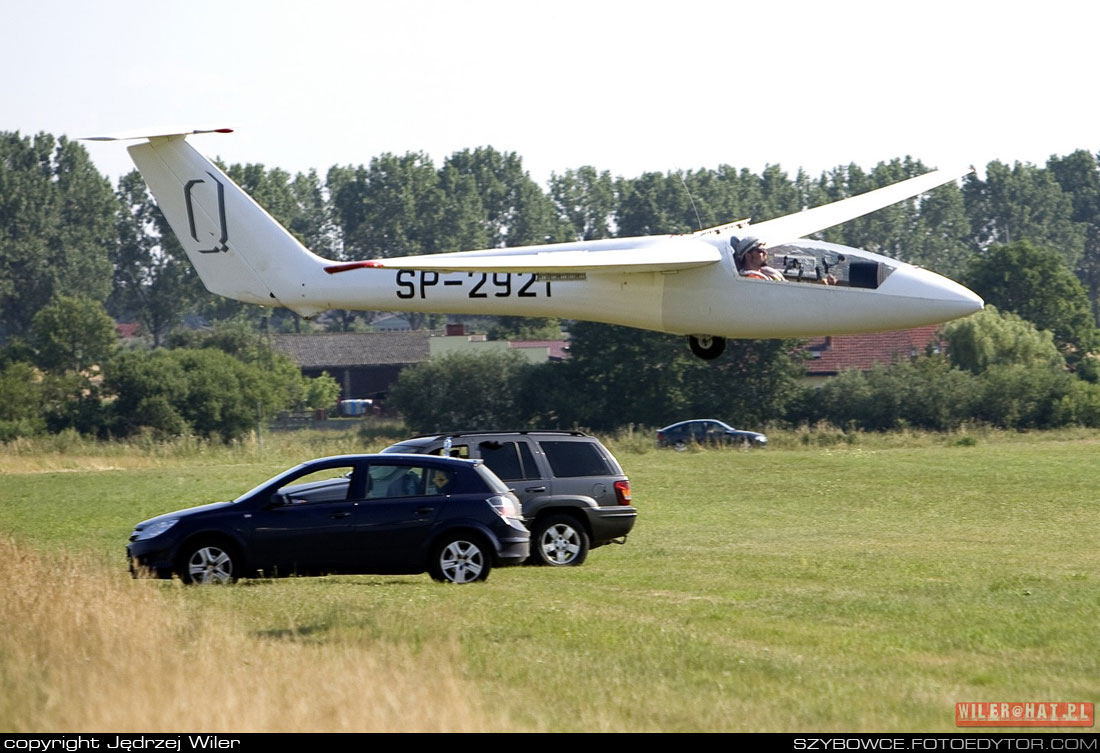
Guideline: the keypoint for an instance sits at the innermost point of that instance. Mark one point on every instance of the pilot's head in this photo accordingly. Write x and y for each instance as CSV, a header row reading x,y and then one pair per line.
x,y
749,253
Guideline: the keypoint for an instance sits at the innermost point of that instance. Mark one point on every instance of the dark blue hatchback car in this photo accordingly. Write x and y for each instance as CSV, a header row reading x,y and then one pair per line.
x,y
347,514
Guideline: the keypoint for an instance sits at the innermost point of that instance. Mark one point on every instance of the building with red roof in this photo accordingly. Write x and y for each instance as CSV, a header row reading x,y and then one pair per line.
x,y
828,356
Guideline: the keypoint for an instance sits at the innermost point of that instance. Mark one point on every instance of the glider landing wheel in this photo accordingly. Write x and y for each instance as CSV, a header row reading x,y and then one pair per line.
x,y
707,347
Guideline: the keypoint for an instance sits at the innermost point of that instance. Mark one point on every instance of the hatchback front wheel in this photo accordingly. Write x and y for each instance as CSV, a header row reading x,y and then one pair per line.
x,y
208,563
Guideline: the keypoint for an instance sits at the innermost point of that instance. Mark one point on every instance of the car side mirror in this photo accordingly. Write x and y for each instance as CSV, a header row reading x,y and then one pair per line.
x,y
277,500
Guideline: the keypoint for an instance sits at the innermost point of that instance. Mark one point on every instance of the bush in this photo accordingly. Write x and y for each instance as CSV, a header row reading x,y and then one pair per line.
x,y
461,391
1032,397
990,337
21,399
205,391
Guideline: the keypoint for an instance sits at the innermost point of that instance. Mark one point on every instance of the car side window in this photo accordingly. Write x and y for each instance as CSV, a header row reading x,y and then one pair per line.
x,y
387,481
511,461
569,459
316,487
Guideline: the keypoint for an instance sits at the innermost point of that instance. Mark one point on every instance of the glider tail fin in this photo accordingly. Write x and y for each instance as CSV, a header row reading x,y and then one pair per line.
x,y
239,250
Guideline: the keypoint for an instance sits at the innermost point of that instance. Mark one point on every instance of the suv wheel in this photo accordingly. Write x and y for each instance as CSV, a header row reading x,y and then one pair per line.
x,y
558,541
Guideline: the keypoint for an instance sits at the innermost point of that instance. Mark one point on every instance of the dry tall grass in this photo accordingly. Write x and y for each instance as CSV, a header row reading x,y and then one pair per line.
x,y
69,451
85,649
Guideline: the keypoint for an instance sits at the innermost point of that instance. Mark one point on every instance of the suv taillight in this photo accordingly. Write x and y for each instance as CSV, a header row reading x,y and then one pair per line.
x,y
622,492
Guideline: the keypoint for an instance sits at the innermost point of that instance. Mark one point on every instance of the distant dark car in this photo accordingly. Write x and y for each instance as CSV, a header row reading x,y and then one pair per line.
x,y
574,494
707,431
347,514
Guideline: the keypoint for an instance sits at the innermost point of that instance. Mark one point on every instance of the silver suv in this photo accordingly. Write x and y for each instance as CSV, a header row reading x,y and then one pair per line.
x,y
575,495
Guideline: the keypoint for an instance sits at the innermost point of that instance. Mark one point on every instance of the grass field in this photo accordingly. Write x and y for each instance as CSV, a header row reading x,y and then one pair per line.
x,y
826,584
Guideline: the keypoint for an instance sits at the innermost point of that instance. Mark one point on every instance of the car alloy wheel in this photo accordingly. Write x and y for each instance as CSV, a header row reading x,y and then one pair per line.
x,y
560,542
207,564
460,560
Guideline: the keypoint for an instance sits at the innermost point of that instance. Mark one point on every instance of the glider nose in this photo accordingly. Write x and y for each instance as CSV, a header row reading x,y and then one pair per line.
x,y
939,296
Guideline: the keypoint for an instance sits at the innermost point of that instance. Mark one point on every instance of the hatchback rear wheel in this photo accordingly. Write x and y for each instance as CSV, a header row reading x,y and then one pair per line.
x,y
460,558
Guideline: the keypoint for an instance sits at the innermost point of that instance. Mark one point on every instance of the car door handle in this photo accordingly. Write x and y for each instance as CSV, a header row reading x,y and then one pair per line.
x,y
535,489
424,510
340,515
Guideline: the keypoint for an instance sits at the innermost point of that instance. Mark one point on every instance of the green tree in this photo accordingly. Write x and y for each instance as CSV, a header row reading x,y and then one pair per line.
x,y
391,208
517,211
618,376
463,225
653,204
461,391
238,338
1036,284
991,338
585,198
21,401
1079,176
321,392
1024,203
56,227
940,238
72,334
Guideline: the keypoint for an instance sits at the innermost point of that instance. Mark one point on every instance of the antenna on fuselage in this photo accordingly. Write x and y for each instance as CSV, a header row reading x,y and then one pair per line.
x,y
680,175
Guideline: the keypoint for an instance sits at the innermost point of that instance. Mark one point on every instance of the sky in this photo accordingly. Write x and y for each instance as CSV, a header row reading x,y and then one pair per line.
x,y
627,87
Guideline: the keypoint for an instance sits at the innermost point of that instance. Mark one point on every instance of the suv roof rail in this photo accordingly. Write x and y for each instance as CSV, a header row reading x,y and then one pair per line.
x,y
562,432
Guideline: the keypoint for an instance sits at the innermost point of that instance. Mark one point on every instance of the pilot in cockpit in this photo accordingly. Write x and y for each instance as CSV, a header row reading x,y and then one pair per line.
x,y
752,260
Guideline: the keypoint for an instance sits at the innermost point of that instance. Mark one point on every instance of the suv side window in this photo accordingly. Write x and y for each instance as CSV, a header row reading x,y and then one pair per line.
x,y
569,459
511,461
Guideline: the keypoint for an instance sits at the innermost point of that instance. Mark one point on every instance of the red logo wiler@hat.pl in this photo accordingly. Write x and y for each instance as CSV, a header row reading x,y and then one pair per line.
x,y
1023,714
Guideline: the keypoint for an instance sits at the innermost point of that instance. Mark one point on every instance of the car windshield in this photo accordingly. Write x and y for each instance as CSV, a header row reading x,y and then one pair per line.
x,y
285,474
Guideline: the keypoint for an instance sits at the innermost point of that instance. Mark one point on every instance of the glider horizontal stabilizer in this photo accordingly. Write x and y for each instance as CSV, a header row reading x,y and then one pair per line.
x,y
155,133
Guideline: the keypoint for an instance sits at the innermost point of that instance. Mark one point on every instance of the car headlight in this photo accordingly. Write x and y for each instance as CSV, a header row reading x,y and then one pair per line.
x,y
156,529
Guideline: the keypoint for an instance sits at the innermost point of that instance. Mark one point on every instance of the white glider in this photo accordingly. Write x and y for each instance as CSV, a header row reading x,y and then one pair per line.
x,y
681,284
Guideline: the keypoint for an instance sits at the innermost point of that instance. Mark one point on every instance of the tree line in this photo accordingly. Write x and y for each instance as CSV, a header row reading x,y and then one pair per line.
x,y
1025,237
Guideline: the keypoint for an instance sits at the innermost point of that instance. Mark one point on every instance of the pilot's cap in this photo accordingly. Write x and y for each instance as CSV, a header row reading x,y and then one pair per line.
x,y
742,246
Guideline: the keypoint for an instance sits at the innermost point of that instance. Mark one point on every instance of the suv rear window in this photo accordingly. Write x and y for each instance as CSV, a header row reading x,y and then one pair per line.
x,y
575,459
